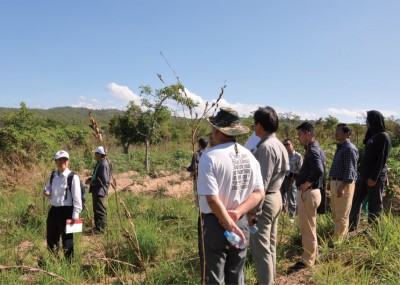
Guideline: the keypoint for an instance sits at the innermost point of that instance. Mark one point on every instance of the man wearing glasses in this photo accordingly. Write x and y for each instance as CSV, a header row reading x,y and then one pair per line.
x,y
289,189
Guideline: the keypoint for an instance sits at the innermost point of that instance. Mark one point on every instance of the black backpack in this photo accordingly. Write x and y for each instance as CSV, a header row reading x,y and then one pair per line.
x,y
69,185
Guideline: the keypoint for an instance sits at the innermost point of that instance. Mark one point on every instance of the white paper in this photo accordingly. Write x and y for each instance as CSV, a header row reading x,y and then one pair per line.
x,y
76,227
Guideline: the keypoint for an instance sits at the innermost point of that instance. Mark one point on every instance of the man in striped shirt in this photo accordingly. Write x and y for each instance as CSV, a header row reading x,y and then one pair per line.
x,y
343,174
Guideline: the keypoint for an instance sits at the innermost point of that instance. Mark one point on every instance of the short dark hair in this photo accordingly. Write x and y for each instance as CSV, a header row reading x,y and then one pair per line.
x,y
203,143
346,129
306,127
287,141
267,117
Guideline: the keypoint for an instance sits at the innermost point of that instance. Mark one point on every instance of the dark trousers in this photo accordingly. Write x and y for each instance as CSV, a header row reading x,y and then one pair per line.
x,y
224,263
55,225
375,202
100,212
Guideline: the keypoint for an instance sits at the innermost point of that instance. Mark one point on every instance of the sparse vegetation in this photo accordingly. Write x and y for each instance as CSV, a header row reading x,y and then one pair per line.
x,y
165,223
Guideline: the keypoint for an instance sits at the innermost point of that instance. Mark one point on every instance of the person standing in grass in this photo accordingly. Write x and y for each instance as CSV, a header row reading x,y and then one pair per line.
x,y
342,176
196,156
99,185
372,172
274,163
229,185
65,204
309,181
289,189
192,168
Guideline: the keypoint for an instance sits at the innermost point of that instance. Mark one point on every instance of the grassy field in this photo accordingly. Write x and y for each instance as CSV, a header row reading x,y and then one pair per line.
x,y
166,231
167,234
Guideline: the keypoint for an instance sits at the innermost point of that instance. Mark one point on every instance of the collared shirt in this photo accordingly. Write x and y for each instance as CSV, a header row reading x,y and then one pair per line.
x,y
313,167
344,163
274,162
57,192
295,161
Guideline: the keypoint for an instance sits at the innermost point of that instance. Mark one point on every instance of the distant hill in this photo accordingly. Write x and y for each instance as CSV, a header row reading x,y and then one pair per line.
x,y
69,115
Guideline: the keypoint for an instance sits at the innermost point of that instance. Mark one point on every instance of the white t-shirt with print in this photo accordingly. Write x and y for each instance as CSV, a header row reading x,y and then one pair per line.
x,y
232,177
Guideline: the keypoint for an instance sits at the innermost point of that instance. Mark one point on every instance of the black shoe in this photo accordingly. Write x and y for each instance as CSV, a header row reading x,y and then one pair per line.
x,y
298,266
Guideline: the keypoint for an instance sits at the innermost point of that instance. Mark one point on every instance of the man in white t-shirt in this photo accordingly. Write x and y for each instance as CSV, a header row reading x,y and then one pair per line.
x,y
229,185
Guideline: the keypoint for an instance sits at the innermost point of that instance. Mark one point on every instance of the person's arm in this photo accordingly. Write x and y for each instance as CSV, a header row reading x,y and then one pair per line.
x,y
221,213
190,168
252,202
382,148
76,192
266,158
349,159
316,171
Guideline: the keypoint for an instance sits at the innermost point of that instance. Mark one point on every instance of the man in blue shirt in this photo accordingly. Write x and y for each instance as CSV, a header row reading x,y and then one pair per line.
x,y
309,181
342,175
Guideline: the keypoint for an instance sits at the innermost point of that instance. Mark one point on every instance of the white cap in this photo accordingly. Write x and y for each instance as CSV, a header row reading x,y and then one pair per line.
x,y
61,153
100,149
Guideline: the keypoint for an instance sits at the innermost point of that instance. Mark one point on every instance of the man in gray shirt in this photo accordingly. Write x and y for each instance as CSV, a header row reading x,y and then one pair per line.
x,y
274,162
289,189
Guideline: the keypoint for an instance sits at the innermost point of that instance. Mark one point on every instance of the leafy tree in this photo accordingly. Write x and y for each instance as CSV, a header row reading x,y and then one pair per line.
x,y
125,127
157,112
287,124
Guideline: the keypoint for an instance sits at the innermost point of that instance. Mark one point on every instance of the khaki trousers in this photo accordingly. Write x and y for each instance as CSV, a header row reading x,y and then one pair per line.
x,y
263,243
307,203
341,209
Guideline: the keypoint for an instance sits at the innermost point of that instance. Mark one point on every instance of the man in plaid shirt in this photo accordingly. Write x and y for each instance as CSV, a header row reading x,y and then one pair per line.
x,y
343,174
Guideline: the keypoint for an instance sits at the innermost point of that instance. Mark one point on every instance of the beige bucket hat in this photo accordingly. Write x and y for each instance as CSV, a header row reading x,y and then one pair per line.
x,y
228,122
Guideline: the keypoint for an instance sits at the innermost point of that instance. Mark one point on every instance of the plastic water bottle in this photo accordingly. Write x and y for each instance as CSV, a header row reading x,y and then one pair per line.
x,y
253,229
234,239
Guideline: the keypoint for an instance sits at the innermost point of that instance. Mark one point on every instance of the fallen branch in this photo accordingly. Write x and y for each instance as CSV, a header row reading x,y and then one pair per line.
x,y
33,270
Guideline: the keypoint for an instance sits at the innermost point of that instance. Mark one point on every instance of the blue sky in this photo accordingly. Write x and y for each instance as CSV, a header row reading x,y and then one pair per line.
x,y
313,58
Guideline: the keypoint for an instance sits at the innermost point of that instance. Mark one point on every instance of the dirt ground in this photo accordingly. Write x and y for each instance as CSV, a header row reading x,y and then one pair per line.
x,y
168,184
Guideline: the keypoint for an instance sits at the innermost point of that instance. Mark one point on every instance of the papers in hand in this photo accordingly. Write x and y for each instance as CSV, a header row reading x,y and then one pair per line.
x,y
75,227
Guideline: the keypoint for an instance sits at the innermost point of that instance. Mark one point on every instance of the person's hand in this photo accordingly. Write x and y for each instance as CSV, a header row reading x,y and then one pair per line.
x,y
73,221
46,193
235,215
234,228
305,186
88,181
340,192
250,219
371,183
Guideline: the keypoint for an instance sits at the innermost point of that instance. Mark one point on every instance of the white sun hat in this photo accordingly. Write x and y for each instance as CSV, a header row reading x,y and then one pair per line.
x,y
61,153
100,150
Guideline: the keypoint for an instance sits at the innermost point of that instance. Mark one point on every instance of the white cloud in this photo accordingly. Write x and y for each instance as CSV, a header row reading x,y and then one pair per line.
x,y
345,112
95,104
122,93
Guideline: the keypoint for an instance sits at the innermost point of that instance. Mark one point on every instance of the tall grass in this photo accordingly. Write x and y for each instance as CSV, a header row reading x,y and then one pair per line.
x,y
167,230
